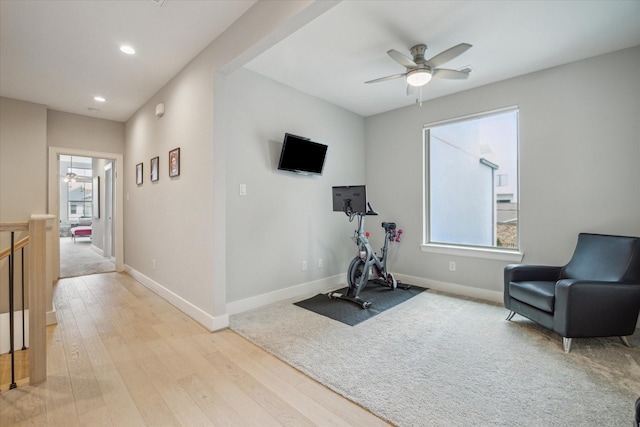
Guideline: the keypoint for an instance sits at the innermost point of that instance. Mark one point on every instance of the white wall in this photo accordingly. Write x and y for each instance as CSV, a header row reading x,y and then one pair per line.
x,y
23,159
285,218
23,172
74,131
181,222
579,156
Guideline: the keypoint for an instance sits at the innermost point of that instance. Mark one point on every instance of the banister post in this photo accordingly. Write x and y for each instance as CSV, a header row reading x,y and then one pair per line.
x,y
37,300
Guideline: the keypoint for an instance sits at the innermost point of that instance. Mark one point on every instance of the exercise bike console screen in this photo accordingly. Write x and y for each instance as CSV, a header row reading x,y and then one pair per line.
x,y
350,199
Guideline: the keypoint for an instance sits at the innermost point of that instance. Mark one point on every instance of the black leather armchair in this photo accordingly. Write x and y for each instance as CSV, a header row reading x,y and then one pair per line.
x,y
597,294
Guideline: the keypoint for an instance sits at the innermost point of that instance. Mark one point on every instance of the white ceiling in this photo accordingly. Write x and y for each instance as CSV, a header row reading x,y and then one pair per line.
x,y
334,55
62,53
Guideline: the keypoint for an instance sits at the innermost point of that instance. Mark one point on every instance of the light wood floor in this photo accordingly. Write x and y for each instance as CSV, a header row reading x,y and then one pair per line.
x,y
21,371
122,356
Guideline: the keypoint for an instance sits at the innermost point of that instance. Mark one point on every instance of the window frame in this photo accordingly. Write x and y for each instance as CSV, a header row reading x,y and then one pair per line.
x,y
486,252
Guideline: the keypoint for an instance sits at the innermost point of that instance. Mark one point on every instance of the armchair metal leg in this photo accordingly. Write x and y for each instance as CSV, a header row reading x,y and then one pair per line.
x,y
625,341
511,314
566,342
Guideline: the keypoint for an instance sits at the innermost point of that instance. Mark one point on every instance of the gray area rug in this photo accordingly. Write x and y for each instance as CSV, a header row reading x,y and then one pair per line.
x,y
78,259
438,360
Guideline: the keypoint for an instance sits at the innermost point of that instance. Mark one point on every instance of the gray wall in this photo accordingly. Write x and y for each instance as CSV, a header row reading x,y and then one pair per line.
x,y
285,218
579,156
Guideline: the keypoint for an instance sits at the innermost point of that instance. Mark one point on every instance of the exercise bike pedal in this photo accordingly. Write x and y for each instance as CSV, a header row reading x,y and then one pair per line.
x,y
356,300
403,286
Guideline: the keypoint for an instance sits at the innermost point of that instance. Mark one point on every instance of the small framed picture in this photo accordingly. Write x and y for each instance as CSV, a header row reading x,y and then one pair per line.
x,y
174,162
139,174
154,168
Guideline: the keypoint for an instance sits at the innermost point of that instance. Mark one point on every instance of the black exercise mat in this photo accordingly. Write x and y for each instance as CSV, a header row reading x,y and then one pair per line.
x,y
381,297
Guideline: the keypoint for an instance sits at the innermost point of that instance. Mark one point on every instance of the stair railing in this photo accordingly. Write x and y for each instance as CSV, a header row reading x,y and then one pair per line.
x,y
36,291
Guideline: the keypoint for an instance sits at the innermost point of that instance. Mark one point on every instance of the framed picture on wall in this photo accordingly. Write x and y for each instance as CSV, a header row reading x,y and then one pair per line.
x,y
154,168
139,174
95,198
174,162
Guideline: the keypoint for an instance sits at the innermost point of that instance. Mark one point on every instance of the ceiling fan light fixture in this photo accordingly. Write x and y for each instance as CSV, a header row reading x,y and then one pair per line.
x,y
70,176
419,77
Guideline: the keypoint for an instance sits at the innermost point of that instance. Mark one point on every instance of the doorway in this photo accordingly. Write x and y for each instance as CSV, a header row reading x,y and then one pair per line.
x,y
92,205
85,215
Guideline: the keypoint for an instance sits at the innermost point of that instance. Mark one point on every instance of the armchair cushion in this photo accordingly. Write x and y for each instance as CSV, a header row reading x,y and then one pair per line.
x,y
538,294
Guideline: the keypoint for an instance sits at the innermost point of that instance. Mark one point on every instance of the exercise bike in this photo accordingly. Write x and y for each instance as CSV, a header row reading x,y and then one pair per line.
x,y
367,259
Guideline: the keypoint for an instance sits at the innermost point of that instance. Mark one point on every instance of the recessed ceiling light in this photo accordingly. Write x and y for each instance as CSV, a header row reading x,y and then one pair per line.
x,y
128,50
99,98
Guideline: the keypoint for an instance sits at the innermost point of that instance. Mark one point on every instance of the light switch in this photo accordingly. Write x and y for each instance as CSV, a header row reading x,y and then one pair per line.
x,y
243,189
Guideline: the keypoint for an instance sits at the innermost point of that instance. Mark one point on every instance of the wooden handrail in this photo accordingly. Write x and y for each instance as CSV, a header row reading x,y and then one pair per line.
x,y
19,245
14,226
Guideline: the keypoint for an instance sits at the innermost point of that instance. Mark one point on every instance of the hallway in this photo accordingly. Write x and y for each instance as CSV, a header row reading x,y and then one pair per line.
x,y
122,356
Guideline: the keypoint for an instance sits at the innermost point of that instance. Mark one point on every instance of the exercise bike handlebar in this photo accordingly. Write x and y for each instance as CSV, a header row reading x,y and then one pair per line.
x,y
370,211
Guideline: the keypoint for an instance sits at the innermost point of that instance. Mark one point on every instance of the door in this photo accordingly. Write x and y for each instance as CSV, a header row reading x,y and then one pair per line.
x,y
108,210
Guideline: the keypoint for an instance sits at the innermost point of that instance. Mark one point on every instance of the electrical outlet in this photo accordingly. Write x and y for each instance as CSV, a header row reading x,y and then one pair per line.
x,y
304,265
452,266
320,263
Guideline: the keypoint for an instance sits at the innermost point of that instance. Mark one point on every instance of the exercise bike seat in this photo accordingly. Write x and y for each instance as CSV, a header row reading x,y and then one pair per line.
x,y
388,226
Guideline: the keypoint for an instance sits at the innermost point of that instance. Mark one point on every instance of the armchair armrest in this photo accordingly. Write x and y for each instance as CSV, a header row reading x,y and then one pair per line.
x,y
587,308
521,272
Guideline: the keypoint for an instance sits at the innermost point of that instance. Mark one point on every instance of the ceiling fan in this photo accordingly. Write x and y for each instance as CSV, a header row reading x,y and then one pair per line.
x,y
420,70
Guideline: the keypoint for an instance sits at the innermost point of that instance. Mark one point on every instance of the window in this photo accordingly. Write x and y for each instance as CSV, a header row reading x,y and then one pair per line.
x,y
76,194
471,173
79,199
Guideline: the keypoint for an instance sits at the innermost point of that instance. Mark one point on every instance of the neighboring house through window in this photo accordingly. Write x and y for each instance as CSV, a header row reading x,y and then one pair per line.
x,y
471,173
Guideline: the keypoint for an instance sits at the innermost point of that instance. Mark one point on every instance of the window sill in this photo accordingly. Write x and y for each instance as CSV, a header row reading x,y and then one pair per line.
x,y
474,252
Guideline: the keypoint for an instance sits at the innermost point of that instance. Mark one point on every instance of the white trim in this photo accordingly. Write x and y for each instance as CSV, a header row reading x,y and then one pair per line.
x,y
5,340
196,313
474,252
472,116
305,289
54,199
51,316
453,288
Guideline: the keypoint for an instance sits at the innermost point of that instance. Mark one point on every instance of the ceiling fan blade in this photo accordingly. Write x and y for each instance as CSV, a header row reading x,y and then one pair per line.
x,y
443,73
401,59
448,55
381,79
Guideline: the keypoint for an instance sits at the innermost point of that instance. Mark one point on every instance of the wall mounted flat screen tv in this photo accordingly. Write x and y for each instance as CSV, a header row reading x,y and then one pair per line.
x,y
301,155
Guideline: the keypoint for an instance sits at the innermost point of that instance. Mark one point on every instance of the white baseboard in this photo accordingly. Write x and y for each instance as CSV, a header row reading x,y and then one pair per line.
x,y
5,336
51,317
453,288
310,288
97,250
205,319
305,289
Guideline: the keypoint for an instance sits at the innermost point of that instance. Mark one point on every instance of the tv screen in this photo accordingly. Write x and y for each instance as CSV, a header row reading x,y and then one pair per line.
x,y
302,155
350,199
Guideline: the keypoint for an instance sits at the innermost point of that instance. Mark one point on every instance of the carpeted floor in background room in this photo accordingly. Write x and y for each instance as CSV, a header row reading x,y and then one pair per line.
x,y
79,259
438,360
